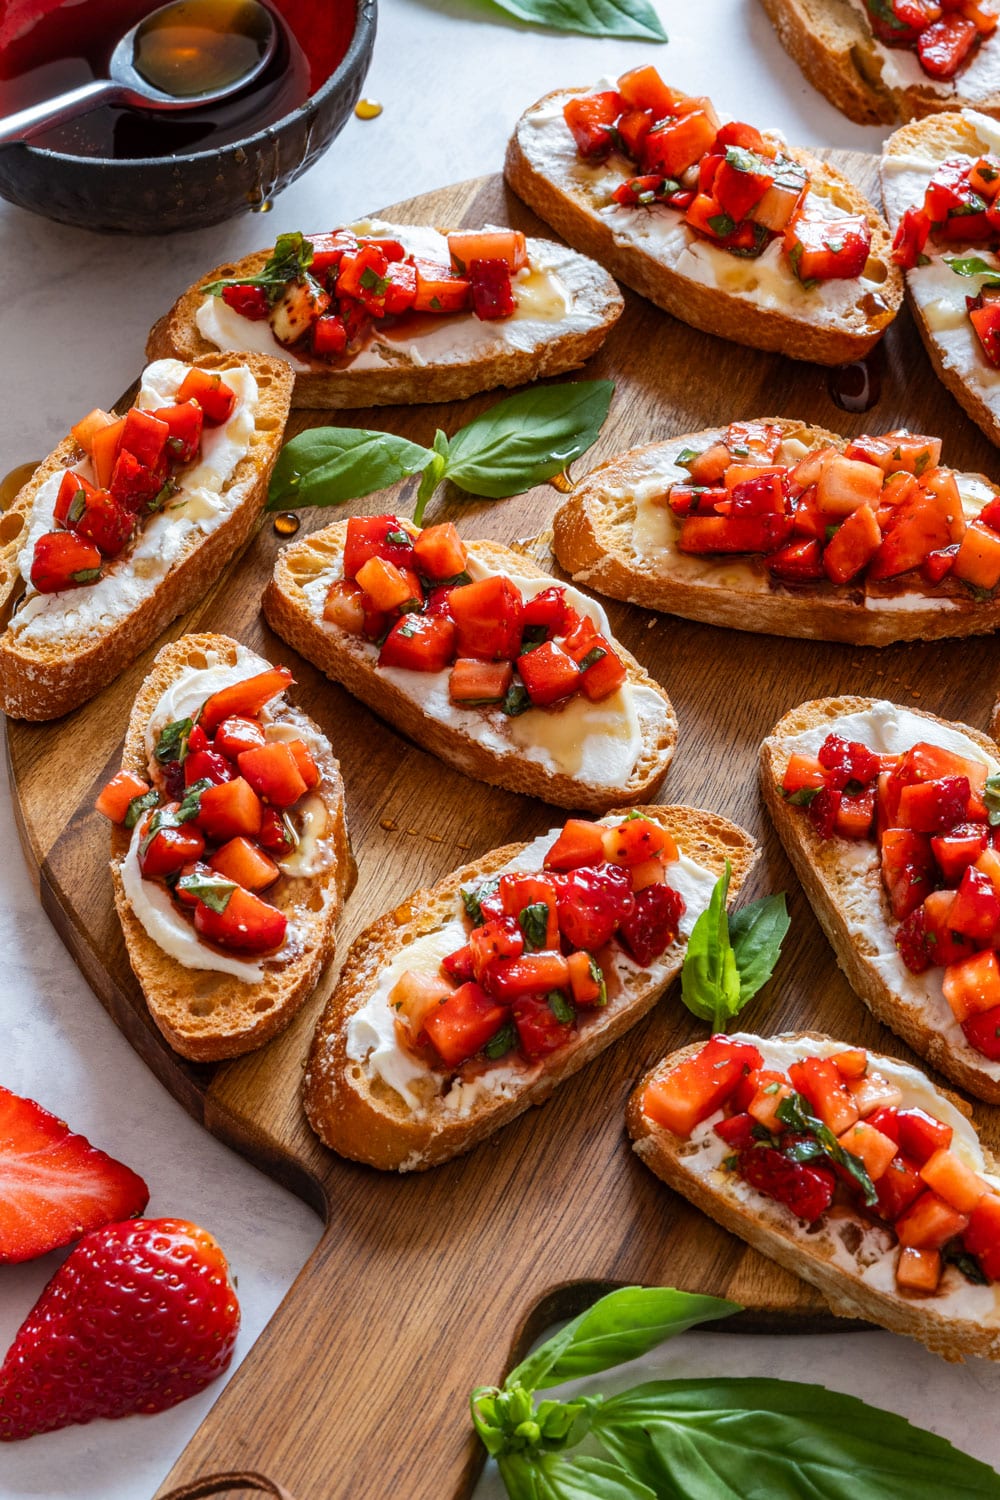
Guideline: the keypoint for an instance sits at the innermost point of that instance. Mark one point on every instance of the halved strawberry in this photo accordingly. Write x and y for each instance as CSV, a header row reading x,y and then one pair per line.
x,y
140,1316
54,1185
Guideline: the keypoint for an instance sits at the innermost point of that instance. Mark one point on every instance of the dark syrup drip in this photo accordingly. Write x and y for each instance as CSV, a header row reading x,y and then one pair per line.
x,y
857,387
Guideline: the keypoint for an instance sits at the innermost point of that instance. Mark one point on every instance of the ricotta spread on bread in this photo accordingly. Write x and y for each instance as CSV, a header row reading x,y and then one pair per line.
x,y
556,288
836,1235
890,730
315,853
202,503
767,280
371,1040
596,742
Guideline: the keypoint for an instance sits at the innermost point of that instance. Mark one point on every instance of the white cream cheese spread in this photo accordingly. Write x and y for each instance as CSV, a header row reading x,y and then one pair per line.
x,y
890,730
556,288
767,280
204,500
371,1031
152,904
597,742
874,1258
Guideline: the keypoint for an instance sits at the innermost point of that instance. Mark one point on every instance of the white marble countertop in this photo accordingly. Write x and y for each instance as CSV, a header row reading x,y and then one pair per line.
x,y
74,312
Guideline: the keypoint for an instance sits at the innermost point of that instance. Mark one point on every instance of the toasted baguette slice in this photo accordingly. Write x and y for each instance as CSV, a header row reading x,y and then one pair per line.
x,y
445,359
843,881
53,663
831,324
610,535
354,1110
293,606
844,1255
833,43
203,1013
935,293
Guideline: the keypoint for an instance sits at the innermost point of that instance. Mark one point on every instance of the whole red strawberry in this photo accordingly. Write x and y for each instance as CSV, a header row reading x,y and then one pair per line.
x,y
140,1316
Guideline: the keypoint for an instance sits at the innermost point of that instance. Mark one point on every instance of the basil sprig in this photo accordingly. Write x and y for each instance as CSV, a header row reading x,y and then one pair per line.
x,y
516,444
289,261
796,1112
729,959
212,890
972,265
623,18
702,1439
173,740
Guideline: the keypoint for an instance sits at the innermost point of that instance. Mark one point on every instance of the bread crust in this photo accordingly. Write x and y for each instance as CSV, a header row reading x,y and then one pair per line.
x,y
176,335
592,539
375,1125
345,658
48,679
205,1015
570,211
837,53
941,136
771,1229
820,871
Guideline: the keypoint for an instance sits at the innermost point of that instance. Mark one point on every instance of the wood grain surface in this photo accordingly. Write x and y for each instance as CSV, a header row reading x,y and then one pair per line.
x,y
424,1286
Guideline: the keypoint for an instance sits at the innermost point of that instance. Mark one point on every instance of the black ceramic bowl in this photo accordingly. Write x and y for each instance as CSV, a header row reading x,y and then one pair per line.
x,y
189,190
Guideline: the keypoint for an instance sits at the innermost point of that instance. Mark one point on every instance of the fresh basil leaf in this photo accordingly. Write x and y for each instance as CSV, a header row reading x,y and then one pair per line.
x,y
212,890
526,439
172,741
802,797
471,899
618,1327
328,465
971,265
623,18
534,923
500,1044
796,1112
561,1476
749,1439
757,932
991,796
561,1008
140,805
710,981
86,575
516,701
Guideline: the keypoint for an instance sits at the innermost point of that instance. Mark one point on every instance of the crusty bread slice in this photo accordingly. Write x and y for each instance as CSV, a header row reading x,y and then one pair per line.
x,y
206,1015
348,659
45,678
849,900
572,199
962,367
361,1117
594,540
822,1253
833,44
406,375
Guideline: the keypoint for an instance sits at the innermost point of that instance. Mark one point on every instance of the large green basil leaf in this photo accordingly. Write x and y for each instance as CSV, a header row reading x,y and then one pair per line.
x,y
625,18
328,465
527,438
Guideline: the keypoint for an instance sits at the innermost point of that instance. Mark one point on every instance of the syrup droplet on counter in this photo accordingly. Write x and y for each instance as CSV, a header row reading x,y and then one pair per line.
x,y
12,482
562,482
287,523
856,387
368,109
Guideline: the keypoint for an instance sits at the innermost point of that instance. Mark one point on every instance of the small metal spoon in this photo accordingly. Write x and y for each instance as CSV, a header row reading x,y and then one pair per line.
x,y
127,85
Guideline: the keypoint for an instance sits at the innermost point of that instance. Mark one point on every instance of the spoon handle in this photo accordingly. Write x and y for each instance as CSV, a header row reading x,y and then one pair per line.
x,y
28,122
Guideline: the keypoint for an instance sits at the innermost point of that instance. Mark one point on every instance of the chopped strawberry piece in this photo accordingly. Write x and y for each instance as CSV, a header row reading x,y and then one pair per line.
x,y
492,289
912,941
249,301
590,118
591,904
910,239
823,810
907,868
544,1023
580,843
847,760
246,925
982,1031
63,561
898,1187
207,765
737,1131
211,392
982,1237
688,1093
184,421
57,1186
273,773
118,793
944,45
141,1315
464,1023
420,643
934,806
920,1134
376,536
651,926
806,1191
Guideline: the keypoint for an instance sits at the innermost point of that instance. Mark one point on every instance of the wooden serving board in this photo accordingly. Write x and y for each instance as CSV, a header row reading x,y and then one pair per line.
x,y
425,1286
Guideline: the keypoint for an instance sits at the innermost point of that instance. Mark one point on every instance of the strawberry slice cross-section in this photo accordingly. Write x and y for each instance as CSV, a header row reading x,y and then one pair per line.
x,y
54,1185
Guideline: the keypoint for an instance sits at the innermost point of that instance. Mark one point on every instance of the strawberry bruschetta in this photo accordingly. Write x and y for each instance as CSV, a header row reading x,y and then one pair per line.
x,y
940,179
479,656
779,527
850,1169
469,1003
888,815
128,522
718,222
376,313
229,849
